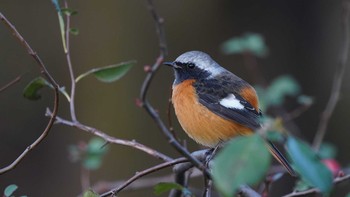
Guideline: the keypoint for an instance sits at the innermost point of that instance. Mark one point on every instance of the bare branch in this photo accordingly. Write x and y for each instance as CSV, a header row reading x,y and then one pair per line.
x,y
113,140
246,191
146,83
143,173
70,68
9,84
337,82
55,86
315,190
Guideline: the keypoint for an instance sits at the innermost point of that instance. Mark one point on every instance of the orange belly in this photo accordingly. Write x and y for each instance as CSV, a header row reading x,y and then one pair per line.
x,y
199,122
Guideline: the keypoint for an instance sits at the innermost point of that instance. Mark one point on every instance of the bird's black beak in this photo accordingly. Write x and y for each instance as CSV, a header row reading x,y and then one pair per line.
x,y
171,64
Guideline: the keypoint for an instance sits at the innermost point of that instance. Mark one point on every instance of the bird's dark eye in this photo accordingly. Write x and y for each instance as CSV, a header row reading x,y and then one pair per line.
x,y
190,65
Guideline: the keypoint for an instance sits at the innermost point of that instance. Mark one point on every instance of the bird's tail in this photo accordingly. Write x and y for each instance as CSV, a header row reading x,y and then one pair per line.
x,y
280,158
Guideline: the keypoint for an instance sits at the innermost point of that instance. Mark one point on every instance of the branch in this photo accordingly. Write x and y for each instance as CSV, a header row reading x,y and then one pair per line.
x,y
146,83
138,175
337,82
70,68
55,86
113,140
9,84
315,190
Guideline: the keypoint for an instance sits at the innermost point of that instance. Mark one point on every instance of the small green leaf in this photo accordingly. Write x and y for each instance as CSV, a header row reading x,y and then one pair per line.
x,y
249,42
274,136
90,193
280,87
309,166
109,73
31,91
244,160
68,11
301,186
94,154
10,189
74,31
305,100
161,188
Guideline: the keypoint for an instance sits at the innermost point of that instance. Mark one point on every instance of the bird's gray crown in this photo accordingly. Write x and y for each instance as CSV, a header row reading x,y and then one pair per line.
x,y
202,61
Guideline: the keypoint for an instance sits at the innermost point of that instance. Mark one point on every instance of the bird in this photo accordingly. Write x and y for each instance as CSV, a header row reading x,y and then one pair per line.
x,y
213,105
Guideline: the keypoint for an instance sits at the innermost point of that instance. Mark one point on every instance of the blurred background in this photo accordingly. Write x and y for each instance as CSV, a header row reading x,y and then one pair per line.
x,y
302,37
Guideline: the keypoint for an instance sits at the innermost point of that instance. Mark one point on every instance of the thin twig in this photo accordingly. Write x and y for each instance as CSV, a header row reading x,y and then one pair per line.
x,y
337,81
85,178
315,190
113,140
9,84
143,173
55,86
146,83
70,68
246,191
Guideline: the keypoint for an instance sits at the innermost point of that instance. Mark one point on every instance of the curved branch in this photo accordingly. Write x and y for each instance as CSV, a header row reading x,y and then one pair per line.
x,y
143,173
113,140
315,190
337,81
50,79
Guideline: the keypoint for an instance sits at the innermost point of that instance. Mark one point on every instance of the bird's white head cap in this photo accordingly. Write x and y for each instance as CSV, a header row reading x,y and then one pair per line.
x,y
202,61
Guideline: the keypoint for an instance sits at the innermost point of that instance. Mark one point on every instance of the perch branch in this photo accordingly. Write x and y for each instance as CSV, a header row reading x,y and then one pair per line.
x,y
143,173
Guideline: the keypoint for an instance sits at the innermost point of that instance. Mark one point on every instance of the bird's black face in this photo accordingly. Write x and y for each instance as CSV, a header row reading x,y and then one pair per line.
x,y
188,70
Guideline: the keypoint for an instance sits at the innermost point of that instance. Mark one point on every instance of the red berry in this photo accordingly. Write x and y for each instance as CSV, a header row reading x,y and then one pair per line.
x,y
332,165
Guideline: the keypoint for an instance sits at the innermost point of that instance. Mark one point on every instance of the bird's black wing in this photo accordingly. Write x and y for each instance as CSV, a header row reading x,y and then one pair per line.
x,y
212,91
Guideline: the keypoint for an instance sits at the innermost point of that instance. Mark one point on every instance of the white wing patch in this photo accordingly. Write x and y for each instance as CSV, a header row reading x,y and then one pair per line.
x,y
231,102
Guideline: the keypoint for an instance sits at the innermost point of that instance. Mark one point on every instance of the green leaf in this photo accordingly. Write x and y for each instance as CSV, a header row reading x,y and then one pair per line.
x,y
305,100
275,136
109,73
10,189
31,91
301,186
282,86
244,160
161,188
74,31
90,193
249,42
94,154
309,166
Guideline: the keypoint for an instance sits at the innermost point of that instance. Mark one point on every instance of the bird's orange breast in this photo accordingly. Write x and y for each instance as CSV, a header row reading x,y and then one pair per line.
x,y
198,121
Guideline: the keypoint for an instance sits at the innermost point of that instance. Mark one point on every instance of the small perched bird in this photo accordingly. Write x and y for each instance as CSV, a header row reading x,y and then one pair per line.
x,y
212,104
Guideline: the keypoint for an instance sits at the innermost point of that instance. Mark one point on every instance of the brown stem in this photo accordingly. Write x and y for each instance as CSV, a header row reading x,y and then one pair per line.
x,y
146,83
9,84
113,140
337,82
50,79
